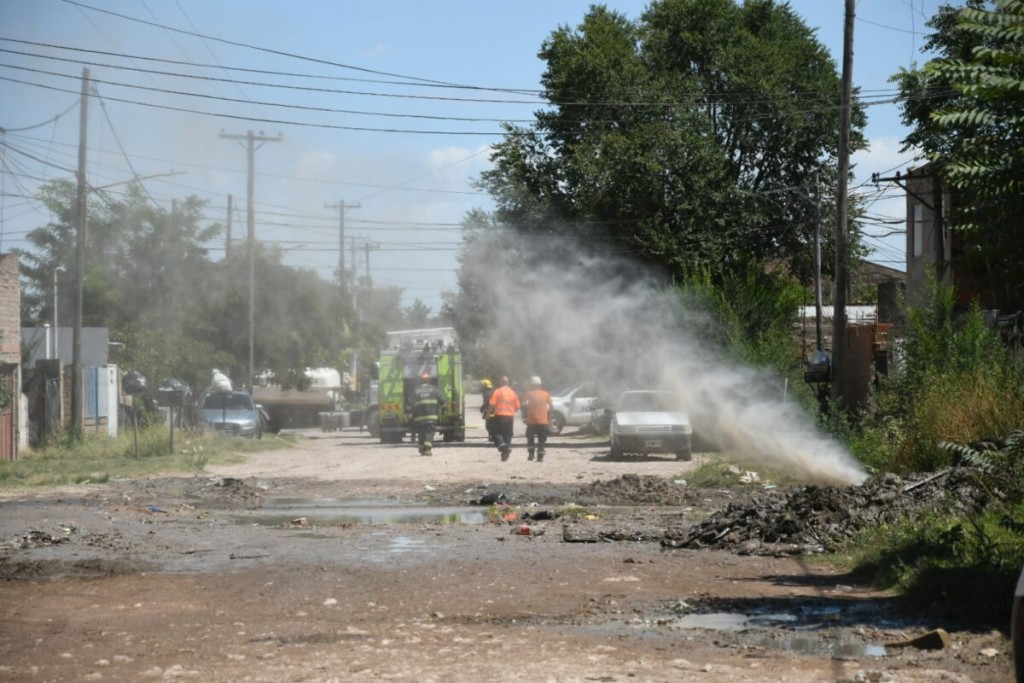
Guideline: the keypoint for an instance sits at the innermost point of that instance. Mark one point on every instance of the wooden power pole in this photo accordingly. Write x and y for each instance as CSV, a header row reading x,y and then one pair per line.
x,y
842,201
341,206
251,139
81,219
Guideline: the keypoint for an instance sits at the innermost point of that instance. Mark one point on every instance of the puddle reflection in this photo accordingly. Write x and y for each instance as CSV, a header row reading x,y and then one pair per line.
x,y
337,512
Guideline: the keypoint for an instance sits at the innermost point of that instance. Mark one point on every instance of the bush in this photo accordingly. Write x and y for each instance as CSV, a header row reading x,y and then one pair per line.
x,y
953,380
962,569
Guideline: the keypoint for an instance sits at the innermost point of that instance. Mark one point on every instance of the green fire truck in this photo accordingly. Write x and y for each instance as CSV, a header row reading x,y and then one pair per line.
x,y
406,356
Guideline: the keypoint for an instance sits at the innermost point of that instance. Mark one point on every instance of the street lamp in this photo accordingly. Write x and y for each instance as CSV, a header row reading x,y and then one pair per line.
x,y
56,322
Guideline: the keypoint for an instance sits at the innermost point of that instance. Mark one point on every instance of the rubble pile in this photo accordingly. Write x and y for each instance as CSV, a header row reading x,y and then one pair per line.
x,y
633,489
816,519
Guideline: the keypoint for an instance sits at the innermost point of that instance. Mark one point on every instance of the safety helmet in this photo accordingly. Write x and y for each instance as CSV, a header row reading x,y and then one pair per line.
x,y
424,375
535,381
486,383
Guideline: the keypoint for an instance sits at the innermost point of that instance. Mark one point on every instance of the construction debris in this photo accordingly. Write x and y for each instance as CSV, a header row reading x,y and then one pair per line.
x,y
816,519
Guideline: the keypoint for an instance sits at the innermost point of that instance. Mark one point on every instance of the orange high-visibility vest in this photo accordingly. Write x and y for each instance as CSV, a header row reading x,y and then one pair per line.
x,y
505,402
537,403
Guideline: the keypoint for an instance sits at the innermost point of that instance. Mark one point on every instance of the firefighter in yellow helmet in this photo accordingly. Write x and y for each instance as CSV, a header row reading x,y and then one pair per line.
x,y
486,412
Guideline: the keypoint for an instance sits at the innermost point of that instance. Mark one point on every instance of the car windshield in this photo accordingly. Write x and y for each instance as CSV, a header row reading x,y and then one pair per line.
x,y
227,402
648,401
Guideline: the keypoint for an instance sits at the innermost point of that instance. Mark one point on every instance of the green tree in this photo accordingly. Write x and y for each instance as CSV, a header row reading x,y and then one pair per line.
x,y
149,279
690,141
417,315
671,137
965,109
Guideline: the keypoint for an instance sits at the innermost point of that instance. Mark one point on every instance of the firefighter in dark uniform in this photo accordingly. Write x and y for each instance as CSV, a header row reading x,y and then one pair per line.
x,y
426,402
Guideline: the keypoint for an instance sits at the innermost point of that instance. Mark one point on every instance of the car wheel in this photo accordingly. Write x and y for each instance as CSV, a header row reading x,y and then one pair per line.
x,y
684,454
556,423
616,450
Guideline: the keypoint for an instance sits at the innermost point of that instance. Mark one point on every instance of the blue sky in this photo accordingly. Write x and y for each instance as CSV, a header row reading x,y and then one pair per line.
x,y
387,138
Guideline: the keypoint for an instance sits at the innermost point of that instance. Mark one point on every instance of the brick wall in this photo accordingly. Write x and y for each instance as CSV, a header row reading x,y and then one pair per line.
x,y
10,309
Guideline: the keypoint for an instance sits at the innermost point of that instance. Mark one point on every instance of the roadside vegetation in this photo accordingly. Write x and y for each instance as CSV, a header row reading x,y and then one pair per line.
x,y
96,460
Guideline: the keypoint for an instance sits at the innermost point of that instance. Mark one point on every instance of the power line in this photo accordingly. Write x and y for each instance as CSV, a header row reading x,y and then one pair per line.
x,y
284,122
264,49
4,131
298,107
266,72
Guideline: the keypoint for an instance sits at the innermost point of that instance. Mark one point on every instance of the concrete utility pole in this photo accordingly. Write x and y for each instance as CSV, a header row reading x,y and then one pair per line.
x,y
341,206
251,140
81,216
842,255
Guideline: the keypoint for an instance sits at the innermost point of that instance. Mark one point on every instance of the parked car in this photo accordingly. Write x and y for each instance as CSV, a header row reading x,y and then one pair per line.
x,y
232,413
573,407
650,422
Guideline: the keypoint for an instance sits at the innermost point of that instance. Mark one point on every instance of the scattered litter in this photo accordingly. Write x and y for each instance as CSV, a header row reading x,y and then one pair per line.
x,y
490,499
527,530
300,521
330,601
750,477
154,508
428,487
989,652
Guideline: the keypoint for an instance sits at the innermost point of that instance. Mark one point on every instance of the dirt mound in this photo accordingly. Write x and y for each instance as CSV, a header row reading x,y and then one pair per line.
x,y
817,518
633,489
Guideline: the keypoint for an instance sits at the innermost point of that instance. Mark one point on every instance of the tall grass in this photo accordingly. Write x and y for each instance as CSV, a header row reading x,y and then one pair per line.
x,y
953,381
96,459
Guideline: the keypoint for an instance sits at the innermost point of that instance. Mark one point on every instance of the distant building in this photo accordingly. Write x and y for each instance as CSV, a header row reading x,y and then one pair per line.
x,y
39,344
932,248
10,357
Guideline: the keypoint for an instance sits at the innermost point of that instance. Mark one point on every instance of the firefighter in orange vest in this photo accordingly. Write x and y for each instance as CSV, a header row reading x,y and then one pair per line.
x,y
538,407
505,403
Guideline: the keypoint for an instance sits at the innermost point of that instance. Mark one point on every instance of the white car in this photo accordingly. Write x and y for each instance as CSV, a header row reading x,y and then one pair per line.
x,y
572,407
650,422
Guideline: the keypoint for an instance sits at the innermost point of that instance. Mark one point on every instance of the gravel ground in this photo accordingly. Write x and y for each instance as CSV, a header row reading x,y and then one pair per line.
x,y
345,559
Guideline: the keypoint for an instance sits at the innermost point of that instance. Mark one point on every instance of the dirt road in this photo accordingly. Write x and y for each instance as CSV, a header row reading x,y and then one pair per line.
x,y
347,560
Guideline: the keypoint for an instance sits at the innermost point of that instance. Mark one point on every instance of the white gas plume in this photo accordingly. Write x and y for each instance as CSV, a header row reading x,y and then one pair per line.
x,y
575,318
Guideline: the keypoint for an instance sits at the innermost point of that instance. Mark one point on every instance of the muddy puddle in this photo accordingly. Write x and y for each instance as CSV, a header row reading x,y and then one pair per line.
x,y
817,630
287,512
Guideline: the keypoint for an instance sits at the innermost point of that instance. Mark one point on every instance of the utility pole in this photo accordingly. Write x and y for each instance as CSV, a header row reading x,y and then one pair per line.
x,y
227,237
842,255
341,206
251,140
817,267
367,246
355,275
81,216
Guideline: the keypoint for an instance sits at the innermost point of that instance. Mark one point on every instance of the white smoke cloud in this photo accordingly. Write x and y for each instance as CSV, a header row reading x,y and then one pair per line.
x,y
576,318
